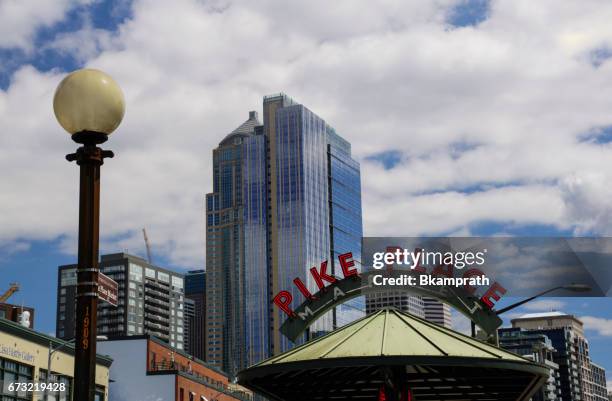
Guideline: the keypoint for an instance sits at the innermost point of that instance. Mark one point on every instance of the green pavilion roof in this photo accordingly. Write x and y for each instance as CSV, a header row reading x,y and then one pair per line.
x,y
434,362
390,332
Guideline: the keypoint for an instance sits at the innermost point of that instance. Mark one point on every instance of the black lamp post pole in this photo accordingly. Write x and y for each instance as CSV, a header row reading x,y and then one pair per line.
x,y
89,157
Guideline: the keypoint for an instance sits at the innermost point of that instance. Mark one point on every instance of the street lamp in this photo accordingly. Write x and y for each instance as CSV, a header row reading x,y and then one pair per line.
x,y
52,351
569,287
90,106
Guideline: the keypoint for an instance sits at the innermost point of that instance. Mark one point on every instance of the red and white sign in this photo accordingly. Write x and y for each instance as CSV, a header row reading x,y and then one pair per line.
x,y
108,289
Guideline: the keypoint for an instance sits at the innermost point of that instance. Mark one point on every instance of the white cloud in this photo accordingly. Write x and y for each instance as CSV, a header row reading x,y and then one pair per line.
x,y
602,326
588,197
19,20
489,119
83,44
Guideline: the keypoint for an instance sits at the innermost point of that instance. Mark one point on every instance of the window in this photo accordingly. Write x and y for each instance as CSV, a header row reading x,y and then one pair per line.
x,y
99,395
11,372
57,395
164,277
181,394
177,282
68,277
135,272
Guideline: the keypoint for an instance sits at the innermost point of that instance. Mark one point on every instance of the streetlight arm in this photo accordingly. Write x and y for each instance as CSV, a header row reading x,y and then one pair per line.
x,y
51,352
62,345
516,305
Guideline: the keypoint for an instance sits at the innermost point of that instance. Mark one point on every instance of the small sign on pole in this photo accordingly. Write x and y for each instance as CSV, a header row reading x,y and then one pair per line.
x,y
108,289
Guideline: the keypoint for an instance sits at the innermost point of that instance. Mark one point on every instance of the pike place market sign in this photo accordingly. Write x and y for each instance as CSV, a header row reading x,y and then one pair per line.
x,y
354,284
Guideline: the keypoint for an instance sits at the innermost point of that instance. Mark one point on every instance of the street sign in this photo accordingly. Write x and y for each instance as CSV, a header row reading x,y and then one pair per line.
x,y
108,289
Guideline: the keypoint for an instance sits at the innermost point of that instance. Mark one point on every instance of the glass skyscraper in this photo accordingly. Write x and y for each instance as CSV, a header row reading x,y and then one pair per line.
x,y
286,197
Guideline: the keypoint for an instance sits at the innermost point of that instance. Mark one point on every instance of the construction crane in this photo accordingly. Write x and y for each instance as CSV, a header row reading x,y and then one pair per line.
x,y
146,239
12,289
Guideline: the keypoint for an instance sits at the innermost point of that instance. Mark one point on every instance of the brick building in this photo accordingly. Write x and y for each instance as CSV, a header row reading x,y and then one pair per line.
x,y
148,368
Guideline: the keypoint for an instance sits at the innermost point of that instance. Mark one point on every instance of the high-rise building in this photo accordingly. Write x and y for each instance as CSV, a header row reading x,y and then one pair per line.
x,y
437,312
195,299
150,301
412,304
286,197
345,220
566,333
189,317
537,347
600,386
236,233
424,307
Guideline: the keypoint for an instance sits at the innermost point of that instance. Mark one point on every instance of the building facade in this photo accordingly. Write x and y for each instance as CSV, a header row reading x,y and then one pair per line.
x,y
150,301
24,358
146,368
189,316
345,221
576,369
599,383
195,297
398,299
437,312
425,307
286,197
537,347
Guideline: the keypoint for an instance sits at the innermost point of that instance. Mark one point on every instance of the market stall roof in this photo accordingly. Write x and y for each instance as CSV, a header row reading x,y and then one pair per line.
x,y
439,364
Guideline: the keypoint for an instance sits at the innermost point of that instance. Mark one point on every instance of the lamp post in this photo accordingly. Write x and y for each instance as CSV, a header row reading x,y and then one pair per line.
x,y
49,358
89,105
569,287
51,352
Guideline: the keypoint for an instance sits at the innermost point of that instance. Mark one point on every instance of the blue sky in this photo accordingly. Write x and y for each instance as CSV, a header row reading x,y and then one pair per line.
x,y
488,118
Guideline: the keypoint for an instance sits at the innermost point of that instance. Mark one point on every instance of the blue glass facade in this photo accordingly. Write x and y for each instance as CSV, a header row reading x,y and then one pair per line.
x,y
302,209
224,265
286,197
345,216
195,282
257,290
